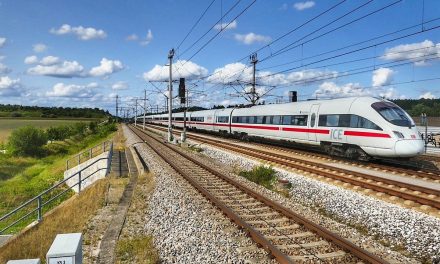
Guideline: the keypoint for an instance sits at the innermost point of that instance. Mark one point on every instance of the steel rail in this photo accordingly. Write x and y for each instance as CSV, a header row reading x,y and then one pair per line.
x,y
281,159
321,231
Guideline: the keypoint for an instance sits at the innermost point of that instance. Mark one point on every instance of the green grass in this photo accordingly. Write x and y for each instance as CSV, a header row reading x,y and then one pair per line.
x,y
7,125
31,176
137,250
262,175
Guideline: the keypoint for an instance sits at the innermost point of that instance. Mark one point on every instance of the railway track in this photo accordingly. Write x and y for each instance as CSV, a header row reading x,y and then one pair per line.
x,y
287,236
422,195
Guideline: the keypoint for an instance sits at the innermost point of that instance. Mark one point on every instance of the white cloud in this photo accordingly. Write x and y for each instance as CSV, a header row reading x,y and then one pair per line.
x,y
66,69
251,38
304,5
132,37
72,90
225,26
31,59
2,42
81,32
181,69
106,68
4,69
147,39
10,87
120,85
390,93
39,47
231,72
382,76
331,89
414,52
49,60
427,95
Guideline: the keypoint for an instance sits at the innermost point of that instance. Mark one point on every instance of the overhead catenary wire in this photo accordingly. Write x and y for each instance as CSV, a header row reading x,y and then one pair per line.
x,y
290,47
195,24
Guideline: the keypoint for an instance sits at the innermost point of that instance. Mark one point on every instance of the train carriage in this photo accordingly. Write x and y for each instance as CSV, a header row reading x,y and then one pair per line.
x,y
358,127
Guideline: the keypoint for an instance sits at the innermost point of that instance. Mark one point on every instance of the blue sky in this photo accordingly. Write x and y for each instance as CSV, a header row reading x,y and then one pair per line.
x,y
83,53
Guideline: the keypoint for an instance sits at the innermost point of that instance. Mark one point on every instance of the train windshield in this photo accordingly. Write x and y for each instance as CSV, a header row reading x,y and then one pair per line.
x,y
393,114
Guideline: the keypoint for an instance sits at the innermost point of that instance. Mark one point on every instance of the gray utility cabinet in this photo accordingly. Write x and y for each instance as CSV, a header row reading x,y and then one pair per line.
x,y
24,261
65,249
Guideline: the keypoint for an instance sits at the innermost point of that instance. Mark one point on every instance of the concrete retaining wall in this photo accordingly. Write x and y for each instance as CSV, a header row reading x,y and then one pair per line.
x,y
102,164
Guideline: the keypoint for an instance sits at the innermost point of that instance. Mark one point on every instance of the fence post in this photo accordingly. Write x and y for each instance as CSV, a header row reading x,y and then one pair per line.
x,y
40,215
67,164
79,159
103,146
79,181
91,150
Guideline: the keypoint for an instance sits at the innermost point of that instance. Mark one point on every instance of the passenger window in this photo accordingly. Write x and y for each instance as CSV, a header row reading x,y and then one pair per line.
x,y
259,120
344,120
276,120
287,120
332,120
268,120
312,120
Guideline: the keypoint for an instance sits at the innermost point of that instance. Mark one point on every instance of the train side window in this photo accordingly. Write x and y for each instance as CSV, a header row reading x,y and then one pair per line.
x,y
235,119
344,120
299,120
276,120
287,120
259,119
332,120
322,120
268,120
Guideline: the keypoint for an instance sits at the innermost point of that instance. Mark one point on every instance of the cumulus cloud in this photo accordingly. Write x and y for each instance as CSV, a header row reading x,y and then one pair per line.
x,y
132,37
427,95
416,52
39,47
233,71
73,90
106,68
382,76
225,26
31,59
181,69
331,89
120,85
49,60
303,5
65,69
147,39
251,38
81,32
2,42
10,87
4,69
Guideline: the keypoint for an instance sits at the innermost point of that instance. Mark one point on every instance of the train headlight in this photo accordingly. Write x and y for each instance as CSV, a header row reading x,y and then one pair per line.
x,y
398,134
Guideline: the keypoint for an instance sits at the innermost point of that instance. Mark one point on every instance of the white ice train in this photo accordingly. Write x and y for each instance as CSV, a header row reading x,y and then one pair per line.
x,y
355,127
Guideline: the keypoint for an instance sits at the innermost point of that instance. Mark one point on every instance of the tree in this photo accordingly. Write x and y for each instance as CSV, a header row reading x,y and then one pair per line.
x,y
27,141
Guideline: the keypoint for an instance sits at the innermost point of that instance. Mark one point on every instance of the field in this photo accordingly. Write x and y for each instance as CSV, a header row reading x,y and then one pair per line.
x,y
8,125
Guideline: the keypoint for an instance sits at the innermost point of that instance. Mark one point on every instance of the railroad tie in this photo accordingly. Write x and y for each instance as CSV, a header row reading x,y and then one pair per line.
x,y
272,221
303,234
290,227
305,245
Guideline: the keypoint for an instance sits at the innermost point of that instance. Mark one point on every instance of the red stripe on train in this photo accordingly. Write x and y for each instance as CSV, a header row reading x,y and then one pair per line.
x,y
365,134
306,130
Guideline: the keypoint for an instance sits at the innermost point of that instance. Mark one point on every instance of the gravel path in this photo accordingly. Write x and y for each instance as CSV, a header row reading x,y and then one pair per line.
x,y
402,228
185,226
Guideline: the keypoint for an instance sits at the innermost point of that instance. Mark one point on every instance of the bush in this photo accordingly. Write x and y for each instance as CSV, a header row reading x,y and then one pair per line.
x,y
60,132
262,175
16,114
27,141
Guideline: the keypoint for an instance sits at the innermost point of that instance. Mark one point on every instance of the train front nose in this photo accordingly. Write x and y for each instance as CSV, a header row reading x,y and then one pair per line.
x,y
409,147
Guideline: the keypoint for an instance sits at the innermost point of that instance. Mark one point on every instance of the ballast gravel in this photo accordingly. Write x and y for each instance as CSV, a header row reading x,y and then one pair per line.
x,y
185,226
417,233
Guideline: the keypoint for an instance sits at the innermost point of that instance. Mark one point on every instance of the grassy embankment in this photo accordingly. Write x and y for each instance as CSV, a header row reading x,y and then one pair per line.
x,y
64,219
22,178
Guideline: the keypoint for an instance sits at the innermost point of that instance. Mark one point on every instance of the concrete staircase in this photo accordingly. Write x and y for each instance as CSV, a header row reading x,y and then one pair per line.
x,y
119,164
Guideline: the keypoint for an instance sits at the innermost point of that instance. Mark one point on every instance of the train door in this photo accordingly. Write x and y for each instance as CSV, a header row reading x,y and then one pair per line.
x,y
313,122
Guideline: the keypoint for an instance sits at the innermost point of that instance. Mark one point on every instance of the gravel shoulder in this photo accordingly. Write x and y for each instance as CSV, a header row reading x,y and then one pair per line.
x,y
185,226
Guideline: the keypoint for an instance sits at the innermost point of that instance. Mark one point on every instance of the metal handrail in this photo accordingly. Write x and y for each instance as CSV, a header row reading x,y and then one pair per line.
x,y
90,152
39,197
